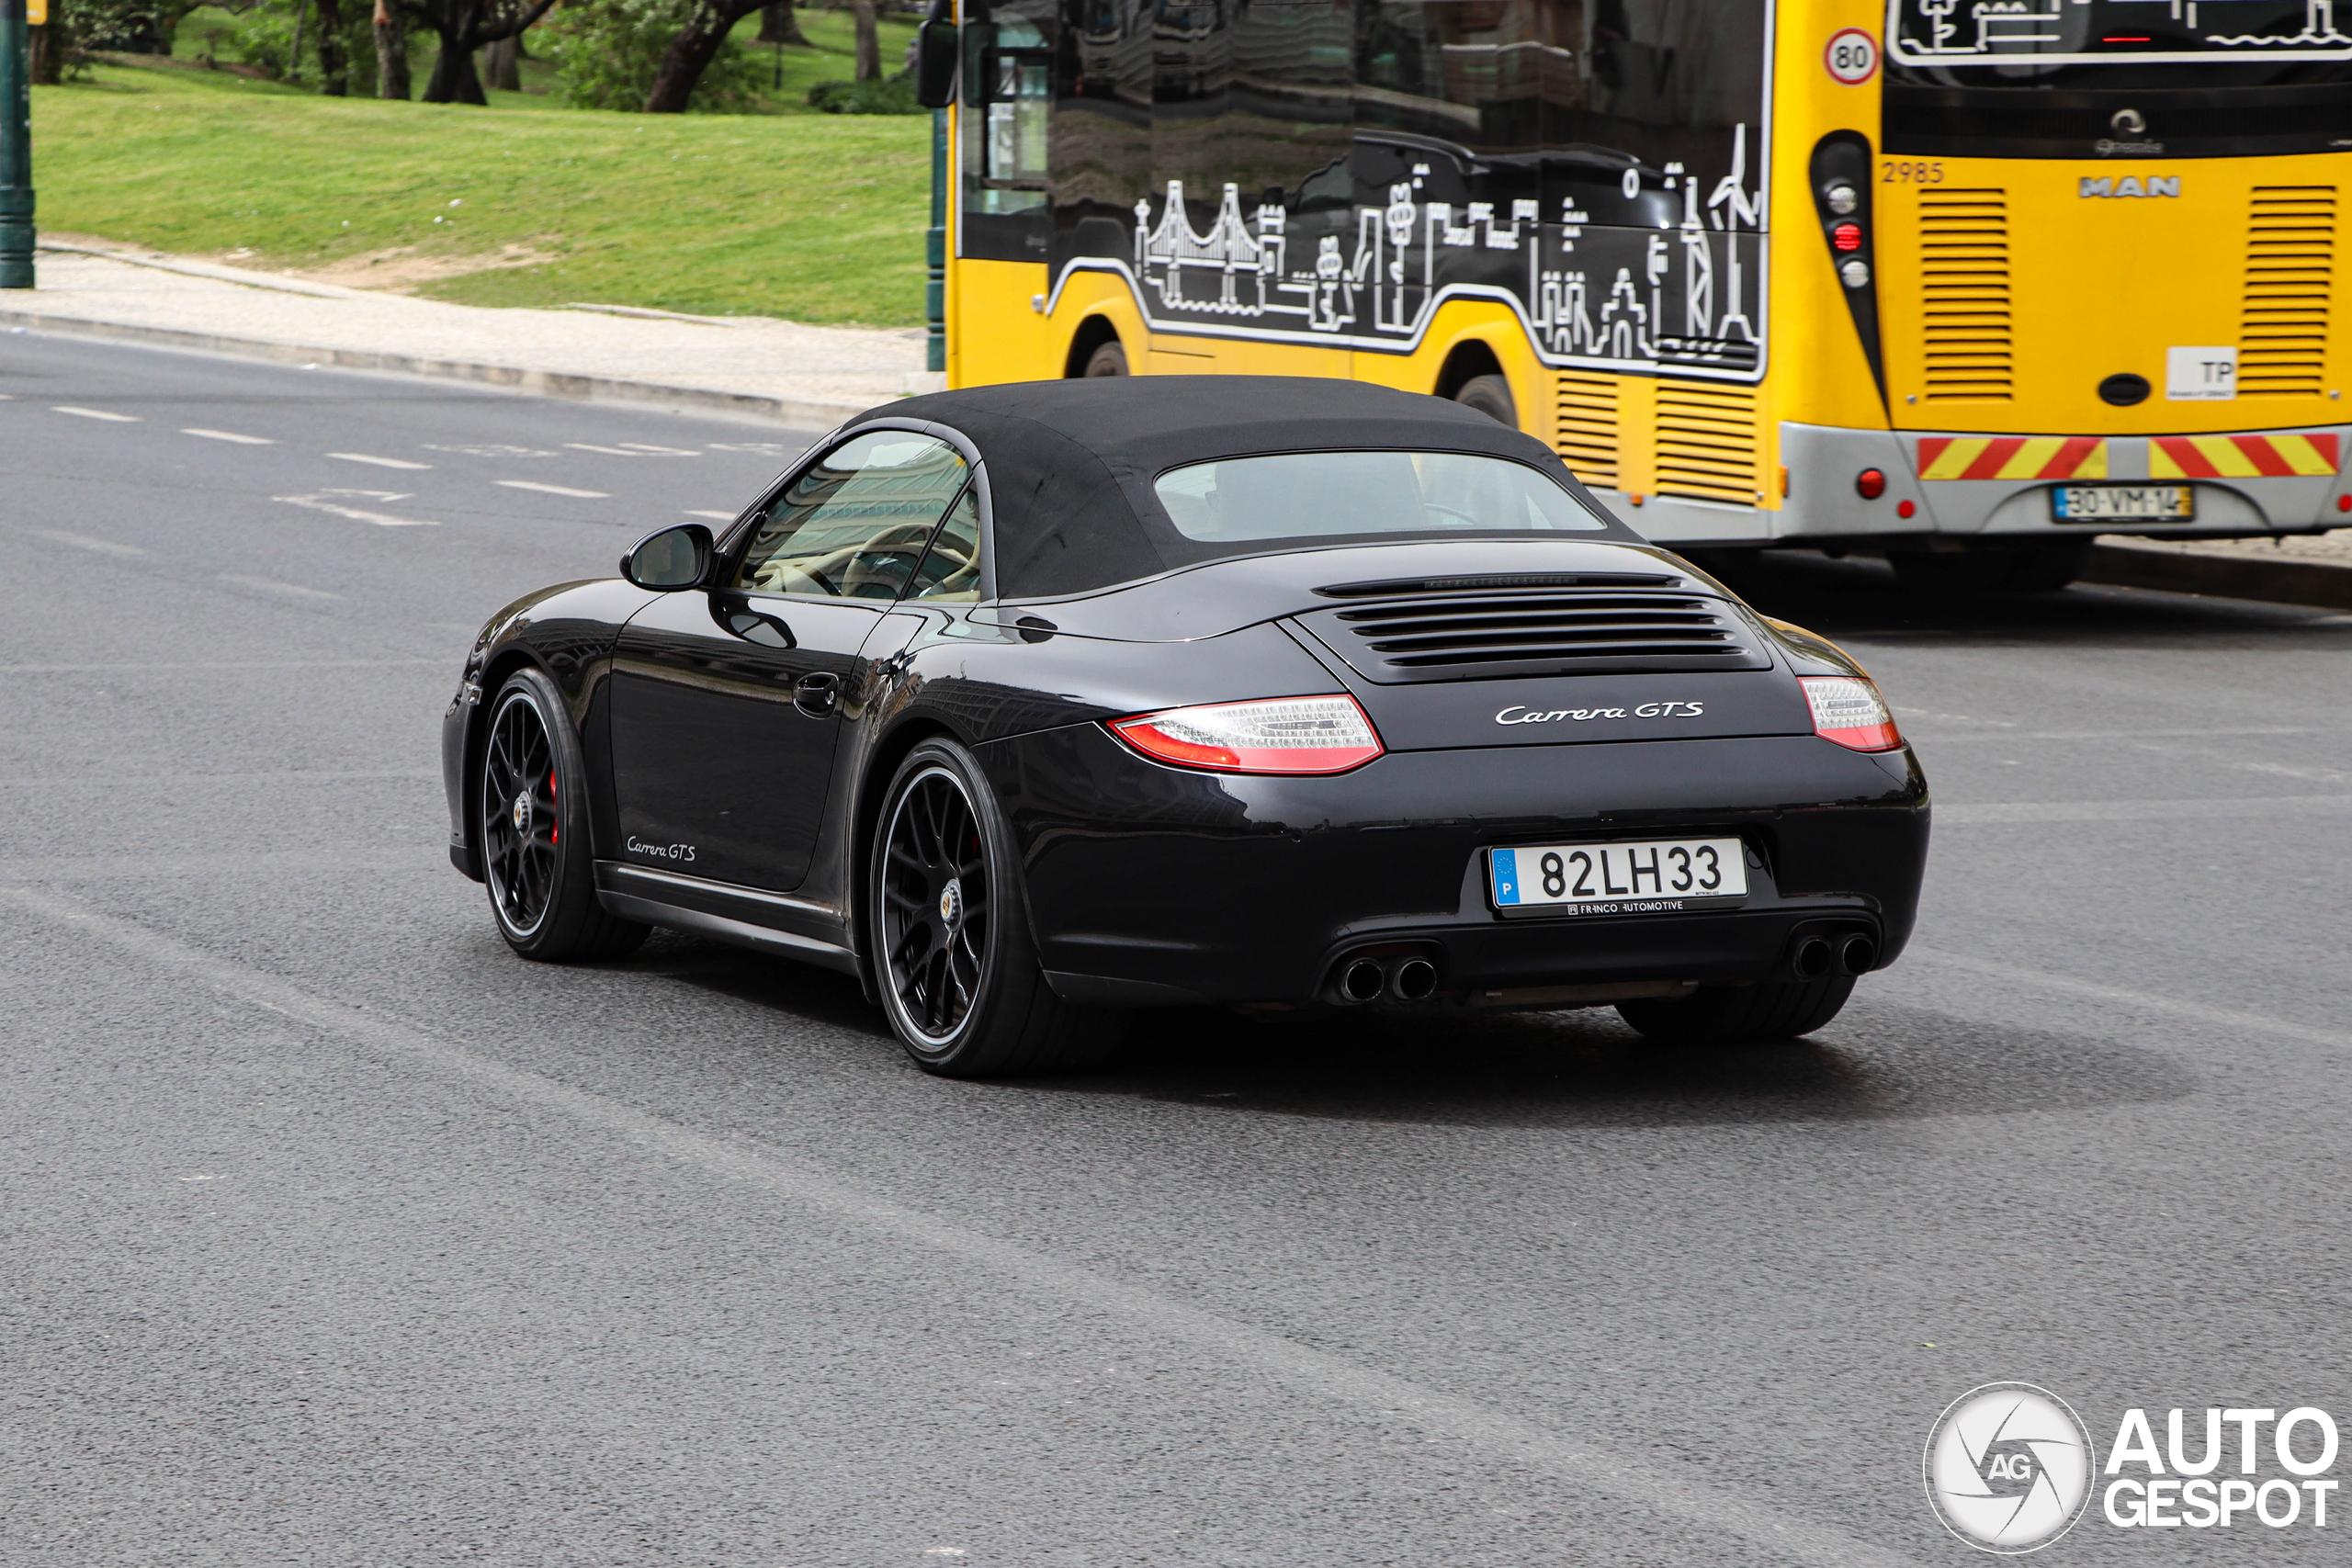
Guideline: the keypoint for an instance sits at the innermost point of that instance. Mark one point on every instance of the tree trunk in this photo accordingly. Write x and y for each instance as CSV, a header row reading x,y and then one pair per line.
x,y
334,72
294,53
691,52
454,78
778,25
502,66
47,65
869,42
392,53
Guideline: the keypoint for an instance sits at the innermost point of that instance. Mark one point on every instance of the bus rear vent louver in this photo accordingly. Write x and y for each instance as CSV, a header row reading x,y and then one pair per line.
x,y
1597,631
1967,353
2290,275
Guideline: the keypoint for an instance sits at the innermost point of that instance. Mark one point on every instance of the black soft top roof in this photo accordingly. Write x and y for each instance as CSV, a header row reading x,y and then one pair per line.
x,y
1071,464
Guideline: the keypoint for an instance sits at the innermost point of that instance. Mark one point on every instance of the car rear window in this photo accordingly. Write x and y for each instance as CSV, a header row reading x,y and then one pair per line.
x,y
1294,495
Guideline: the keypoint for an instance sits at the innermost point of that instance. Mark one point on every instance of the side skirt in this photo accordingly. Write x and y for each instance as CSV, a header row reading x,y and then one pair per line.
x,y
772,922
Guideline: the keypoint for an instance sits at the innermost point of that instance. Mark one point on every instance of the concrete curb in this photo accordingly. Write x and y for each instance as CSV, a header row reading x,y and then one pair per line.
x,y
788,411
2286,580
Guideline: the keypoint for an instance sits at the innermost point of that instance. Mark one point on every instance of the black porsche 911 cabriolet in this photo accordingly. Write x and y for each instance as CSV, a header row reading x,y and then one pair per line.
x,y
1032,705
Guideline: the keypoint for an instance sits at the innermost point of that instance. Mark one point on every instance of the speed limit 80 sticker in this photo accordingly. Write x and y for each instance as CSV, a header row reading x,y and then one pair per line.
x,y
1851,57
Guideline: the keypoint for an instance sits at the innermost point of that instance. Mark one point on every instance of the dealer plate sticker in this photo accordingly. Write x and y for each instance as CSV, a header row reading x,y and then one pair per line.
x,y
1661,877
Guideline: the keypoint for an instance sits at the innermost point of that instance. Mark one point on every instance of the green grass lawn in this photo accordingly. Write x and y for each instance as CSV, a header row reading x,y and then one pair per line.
x,y
812,217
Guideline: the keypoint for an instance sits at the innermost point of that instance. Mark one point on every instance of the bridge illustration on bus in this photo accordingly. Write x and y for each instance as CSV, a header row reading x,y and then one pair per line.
x,y
1686,293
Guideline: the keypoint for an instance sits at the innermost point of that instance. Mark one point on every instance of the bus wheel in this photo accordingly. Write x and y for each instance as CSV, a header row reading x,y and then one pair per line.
x,y
1108,359
1490,395
1978,571
2045,568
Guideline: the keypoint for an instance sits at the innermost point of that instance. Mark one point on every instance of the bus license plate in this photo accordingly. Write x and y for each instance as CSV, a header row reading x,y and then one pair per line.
x,y
2140,504
1662,876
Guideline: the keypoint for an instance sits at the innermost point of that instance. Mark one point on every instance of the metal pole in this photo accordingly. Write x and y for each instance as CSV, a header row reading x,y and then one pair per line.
x,y
16,149
934,289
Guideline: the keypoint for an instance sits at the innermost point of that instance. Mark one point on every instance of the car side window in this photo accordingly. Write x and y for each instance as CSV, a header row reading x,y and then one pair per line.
x,y
855,522
950,573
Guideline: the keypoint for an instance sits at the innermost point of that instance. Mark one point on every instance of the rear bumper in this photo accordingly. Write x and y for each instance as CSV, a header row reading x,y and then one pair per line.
x,y
2272,481
1226,888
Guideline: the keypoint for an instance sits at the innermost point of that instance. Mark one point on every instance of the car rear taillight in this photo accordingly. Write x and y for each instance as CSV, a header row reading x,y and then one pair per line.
x,y
1849,710
1280,735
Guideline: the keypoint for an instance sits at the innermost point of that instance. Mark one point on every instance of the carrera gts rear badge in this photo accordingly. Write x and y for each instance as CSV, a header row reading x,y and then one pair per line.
x,y
1517,715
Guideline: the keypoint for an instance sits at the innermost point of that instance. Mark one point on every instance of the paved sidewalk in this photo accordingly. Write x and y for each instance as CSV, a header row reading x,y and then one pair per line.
x,y
810,376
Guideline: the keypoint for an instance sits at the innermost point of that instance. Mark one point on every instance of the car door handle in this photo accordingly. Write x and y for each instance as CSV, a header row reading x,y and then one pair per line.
x,y
818,694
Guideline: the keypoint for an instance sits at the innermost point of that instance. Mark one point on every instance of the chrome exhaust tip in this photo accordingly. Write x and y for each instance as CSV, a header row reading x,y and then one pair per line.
x,y
1360,981
1412,979
1857,956
1811,958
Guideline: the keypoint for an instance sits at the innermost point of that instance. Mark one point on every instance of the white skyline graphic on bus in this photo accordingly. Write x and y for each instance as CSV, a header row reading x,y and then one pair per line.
x,y
1686,294
2056,32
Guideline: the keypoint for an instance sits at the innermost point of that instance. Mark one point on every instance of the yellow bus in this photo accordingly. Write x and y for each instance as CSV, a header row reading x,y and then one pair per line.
x,y
1962,283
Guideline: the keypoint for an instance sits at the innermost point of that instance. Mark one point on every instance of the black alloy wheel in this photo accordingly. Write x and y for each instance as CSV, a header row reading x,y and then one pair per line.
x,y
935,907
952,957
532,830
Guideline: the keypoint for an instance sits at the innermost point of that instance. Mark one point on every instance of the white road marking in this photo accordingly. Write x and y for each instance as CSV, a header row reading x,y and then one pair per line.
x,y
764,448
380,462
2138,810
2065,985
715,516
95,414
357,515
553,490
633,449
1597,1464
287,590
2007,735
84,542
492,451
231,436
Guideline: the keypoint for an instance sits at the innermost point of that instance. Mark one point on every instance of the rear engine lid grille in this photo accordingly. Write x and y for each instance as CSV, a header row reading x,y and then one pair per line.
x,y
1521,632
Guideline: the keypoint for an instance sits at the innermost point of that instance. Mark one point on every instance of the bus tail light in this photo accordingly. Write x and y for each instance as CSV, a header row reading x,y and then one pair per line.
x,y
1849,710
1847,237
1840,173
1280,735
1870,483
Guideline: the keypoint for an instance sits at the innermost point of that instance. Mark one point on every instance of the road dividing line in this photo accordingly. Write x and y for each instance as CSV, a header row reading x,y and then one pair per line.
x,y
356,514
84,542
380,462
1601,1464
95,414
715,516
553,490
287,590
2066,985
633,449
231,436
1977,813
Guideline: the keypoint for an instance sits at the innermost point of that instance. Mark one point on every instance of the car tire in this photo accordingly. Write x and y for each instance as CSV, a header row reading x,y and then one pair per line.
x,y
531,830
953,955
1490,395
1734,1015
1108,359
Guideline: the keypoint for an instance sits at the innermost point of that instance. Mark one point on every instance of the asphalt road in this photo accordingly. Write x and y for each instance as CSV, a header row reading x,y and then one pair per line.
x,y
332,1234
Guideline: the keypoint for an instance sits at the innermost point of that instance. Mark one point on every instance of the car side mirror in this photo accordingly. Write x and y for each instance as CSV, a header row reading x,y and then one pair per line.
x,y
935,58
670,559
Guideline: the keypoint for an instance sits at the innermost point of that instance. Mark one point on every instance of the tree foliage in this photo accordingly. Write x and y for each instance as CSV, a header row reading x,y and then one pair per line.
x,y
609,53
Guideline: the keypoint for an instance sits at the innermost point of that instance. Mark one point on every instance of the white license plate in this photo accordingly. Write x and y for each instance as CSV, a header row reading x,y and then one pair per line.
x,y
1657,877
2099,503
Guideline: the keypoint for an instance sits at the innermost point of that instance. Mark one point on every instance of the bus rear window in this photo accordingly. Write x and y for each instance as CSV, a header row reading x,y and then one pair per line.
x,y
2116,79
